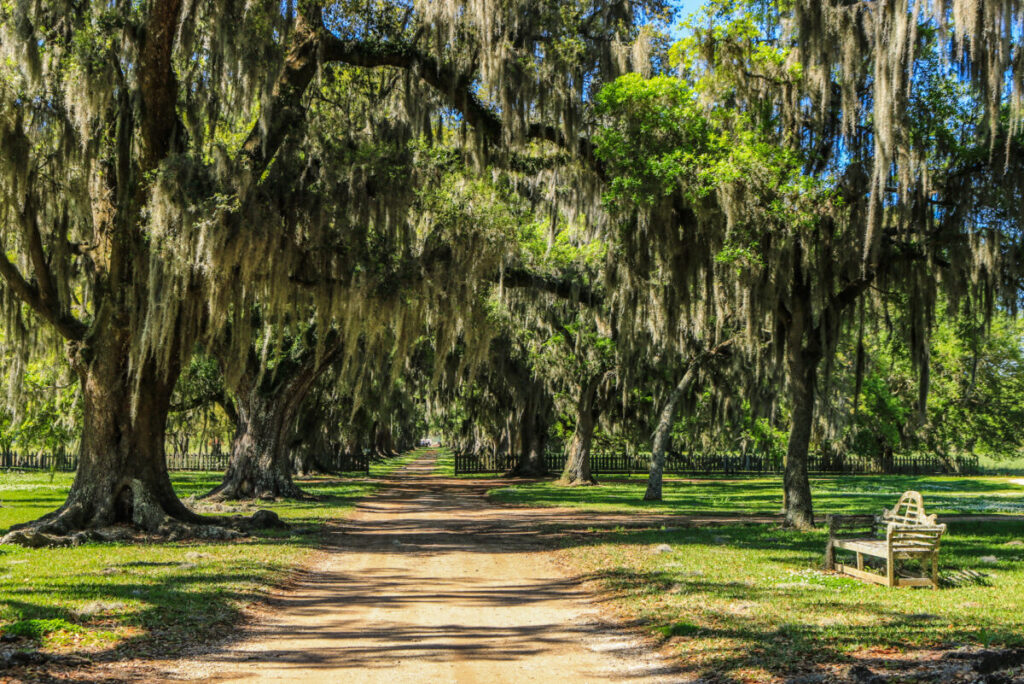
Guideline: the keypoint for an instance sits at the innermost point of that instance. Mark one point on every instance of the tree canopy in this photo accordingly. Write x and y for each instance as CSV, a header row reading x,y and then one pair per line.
x,y
534,223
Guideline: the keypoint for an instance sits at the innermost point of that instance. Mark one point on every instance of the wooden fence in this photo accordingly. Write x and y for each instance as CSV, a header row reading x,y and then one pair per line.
x,y
683,463
347,463
217,462
466,464
60,461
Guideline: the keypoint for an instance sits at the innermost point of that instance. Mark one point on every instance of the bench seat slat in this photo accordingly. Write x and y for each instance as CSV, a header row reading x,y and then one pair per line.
x,y
872,547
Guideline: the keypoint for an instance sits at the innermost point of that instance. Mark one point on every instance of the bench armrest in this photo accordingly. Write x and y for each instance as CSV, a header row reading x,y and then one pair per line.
x,y
852,525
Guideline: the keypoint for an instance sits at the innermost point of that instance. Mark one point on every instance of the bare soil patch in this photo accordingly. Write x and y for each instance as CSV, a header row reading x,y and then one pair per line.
x,y
429,582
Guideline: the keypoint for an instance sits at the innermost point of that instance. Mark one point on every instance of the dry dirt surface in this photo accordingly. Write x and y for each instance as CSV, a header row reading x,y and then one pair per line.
x,y
428,582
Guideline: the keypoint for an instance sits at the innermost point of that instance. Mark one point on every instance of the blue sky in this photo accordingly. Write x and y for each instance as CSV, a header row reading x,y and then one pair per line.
x,y
688,6
685,7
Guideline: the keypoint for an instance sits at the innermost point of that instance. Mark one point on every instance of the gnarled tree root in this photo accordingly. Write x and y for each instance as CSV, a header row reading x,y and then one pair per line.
x,y
233,492
250,484
134,515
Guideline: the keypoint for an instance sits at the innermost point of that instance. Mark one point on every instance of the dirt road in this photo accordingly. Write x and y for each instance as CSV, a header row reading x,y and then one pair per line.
x,y
429,583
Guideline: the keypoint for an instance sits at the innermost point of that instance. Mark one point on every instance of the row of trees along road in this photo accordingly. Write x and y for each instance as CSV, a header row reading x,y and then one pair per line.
x,y
537,218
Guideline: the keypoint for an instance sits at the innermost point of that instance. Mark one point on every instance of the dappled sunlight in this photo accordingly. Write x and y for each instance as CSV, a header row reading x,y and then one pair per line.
x,y
126,600
755,597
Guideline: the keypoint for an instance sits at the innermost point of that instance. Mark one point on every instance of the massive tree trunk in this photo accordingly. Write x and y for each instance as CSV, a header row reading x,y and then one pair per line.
x,y
122,470
383,442
260,467
577,463
532,438
267,405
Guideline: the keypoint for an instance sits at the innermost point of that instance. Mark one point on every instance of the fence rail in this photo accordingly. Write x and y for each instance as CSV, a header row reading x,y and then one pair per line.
x,y
60,462
347,463
198,461
467,464
67,463
683,463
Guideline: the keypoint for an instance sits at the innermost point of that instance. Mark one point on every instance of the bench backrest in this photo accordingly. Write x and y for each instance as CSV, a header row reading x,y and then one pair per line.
x,y
914,538
909,510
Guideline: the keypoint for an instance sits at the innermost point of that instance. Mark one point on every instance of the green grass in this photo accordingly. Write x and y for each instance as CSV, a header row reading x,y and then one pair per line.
x,y
1003,466
158,598
750,603
445,464
760,496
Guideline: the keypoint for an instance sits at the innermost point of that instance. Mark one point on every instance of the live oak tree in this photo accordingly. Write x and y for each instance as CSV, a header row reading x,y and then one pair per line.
x,y
752,185
150,151
268,391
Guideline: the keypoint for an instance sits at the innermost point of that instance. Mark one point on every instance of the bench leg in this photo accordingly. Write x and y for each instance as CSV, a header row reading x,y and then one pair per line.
x,y
935,571
860,561
890,570
830,556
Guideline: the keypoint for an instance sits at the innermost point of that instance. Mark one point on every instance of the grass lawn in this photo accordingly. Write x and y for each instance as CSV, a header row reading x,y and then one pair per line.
x,y
137,599
763,495
1002,466
750,603
747,602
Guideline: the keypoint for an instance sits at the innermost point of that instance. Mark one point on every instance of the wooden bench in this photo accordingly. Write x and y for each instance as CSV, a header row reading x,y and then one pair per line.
x,y
909,534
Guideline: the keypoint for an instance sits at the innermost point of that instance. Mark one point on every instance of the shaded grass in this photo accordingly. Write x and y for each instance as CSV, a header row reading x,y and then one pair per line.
x,y
111,600
763,496
750,603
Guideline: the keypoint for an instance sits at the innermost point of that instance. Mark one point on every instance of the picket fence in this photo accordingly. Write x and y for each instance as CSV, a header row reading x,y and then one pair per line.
x,y
66,463
683,463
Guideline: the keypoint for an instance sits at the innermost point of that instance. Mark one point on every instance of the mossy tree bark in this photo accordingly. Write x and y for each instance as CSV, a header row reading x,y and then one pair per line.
x,y
383,441
531,437
799,508
267,403
122,471
577,462
805,348
659,442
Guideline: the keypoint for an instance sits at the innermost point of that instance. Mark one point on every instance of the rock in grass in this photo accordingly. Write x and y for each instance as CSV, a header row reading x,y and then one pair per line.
x,y
1015,542
662,548
34,539
988,560
15,658
863,675
264,519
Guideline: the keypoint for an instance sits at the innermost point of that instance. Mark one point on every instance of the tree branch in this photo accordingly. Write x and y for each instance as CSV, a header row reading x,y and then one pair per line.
x,y
561,286
68,326
34,241
456,88
158,84
285,111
